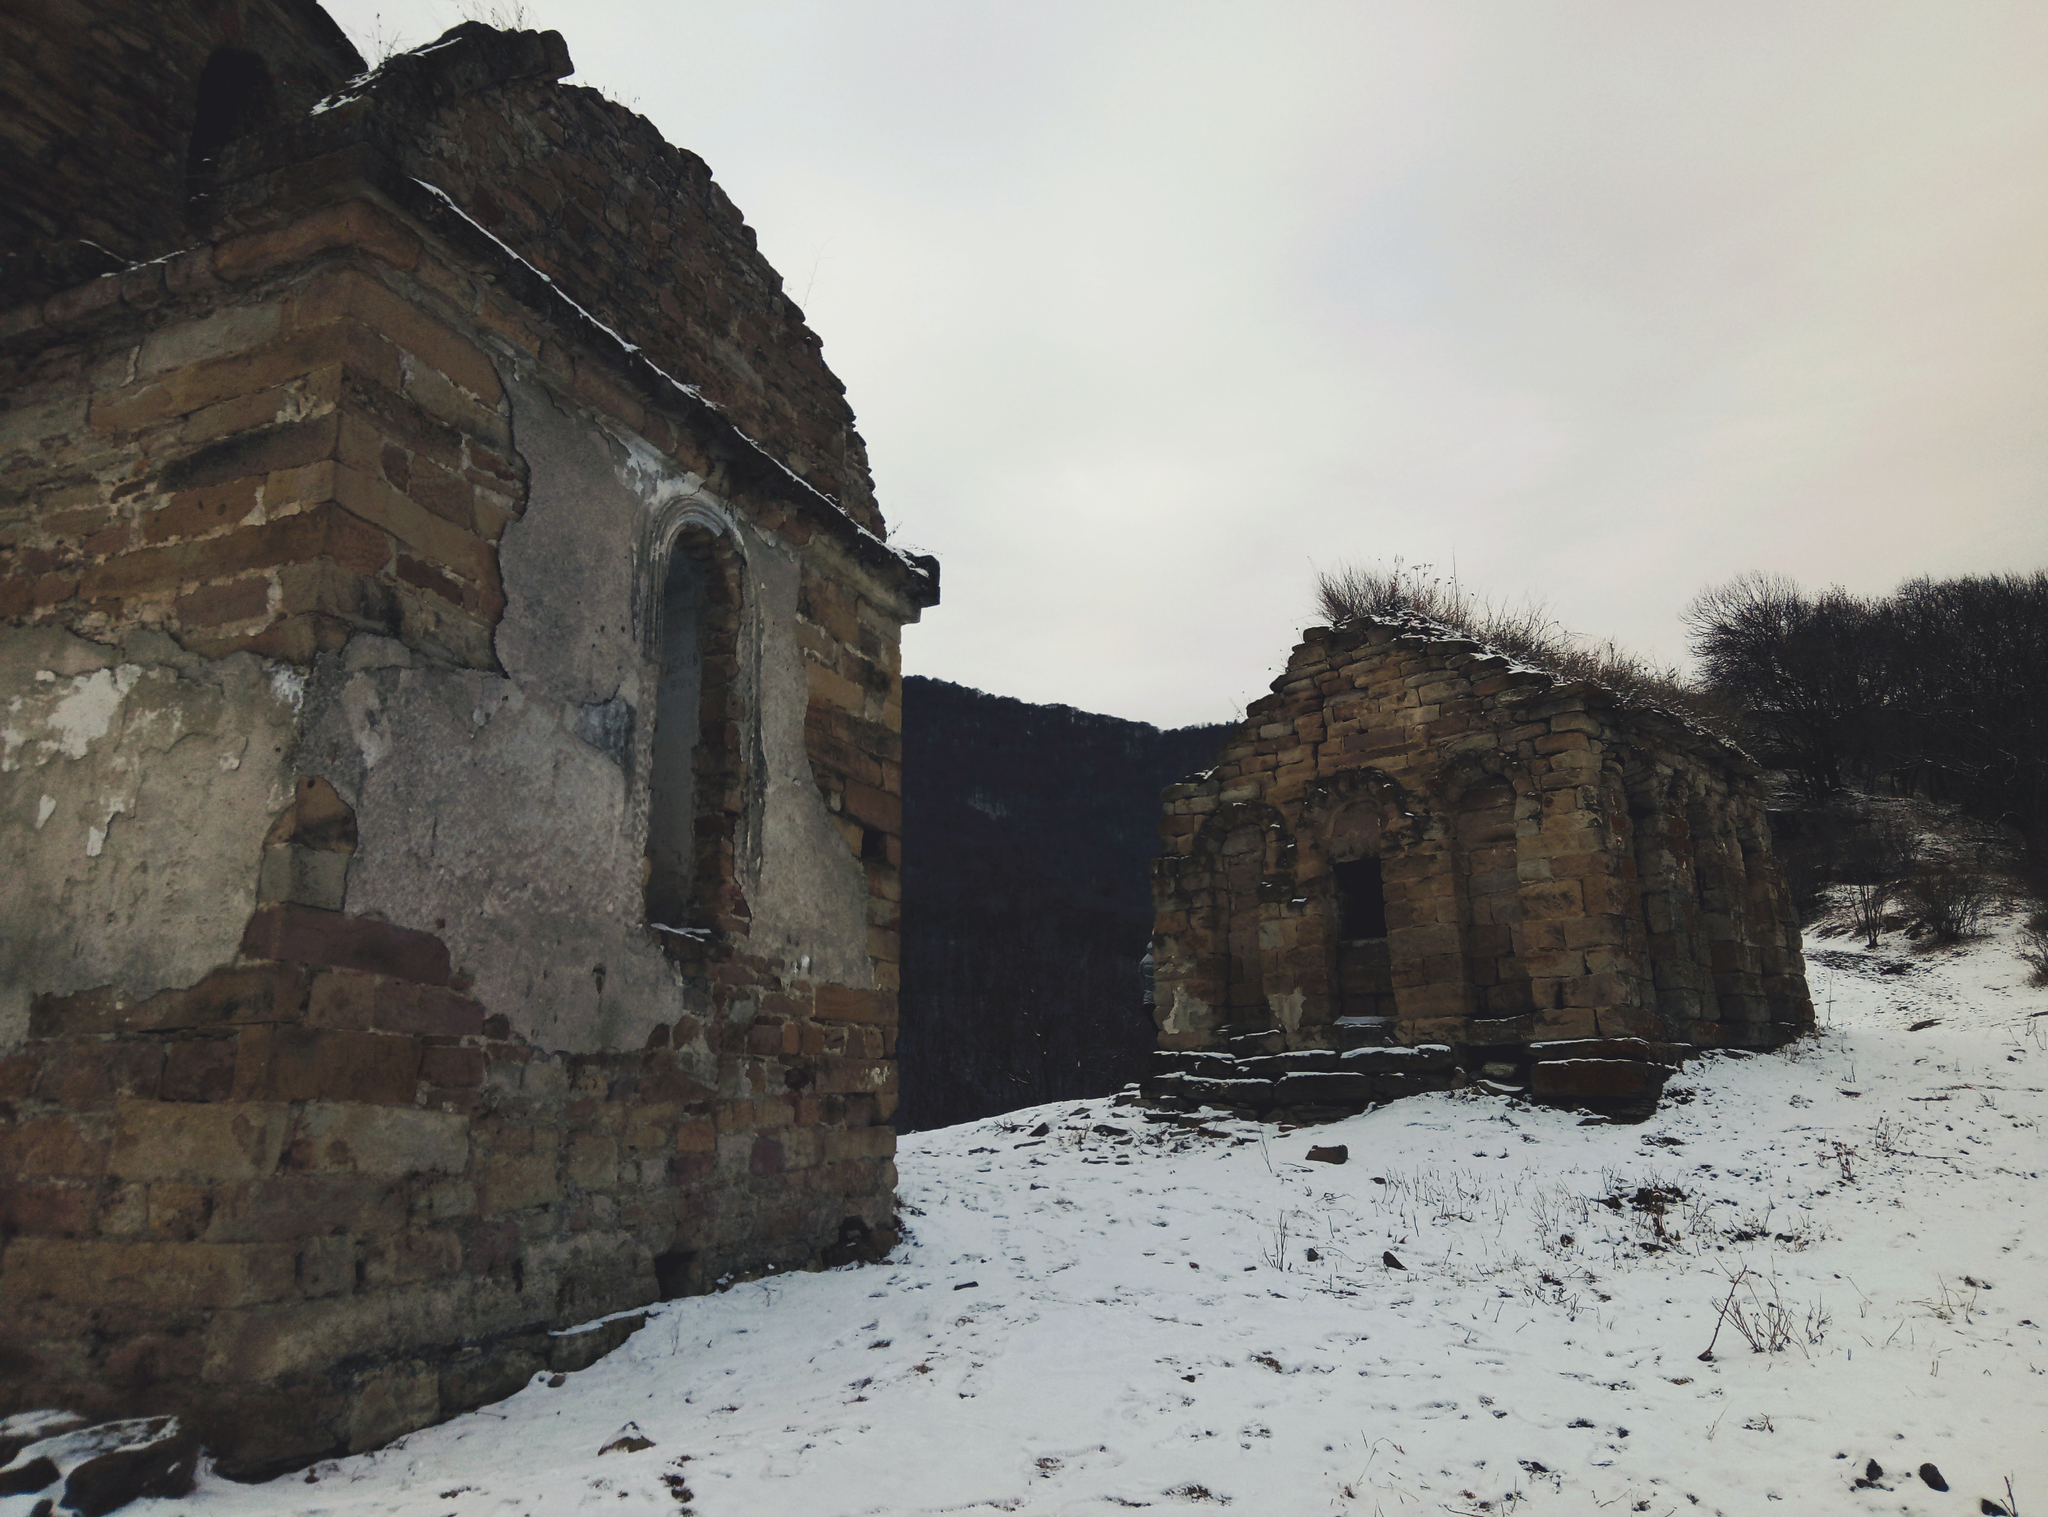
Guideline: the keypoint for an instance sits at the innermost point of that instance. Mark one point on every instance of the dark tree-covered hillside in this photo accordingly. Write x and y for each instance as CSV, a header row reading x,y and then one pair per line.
x,y
1938,689
1028,836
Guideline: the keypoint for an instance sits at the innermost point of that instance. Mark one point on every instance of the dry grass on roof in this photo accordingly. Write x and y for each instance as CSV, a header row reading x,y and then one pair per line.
x,y
1526,633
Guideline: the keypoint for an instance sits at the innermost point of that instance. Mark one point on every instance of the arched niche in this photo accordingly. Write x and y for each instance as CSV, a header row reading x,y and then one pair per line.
x,y
1486,813
1238,881
689,606
1362,829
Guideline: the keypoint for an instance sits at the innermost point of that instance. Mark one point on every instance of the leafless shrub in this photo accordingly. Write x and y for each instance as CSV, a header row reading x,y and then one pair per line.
x,y
1948,903
1276,1256
1866,911
1880,854
384,43
505,15
1767,1324
1525,632
2033,946
1843,1156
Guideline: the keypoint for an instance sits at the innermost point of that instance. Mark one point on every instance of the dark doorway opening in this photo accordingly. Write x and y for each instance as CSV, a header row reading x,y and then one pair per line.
x,y
1361,899
1364,966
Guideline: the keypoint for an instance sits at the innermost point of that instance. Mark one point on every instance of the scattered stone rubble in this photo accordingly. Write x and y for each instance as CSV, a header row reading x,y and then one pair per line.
x,y
89,1470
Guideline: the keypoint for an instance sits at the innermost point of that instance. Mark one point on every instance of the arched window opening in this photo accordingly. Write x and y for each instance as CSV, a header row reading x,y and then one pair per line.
x,y
672,841
236,98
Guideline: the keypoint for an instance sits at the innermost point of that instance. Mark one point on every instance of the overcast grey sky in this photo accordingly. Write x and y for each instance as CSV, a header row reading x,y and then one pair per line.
x,y
1149,310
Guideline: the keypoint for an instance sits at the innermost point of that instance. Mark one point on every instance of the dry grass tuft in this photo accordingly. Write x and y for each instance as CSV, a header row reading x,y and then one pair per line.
x,y
1526,633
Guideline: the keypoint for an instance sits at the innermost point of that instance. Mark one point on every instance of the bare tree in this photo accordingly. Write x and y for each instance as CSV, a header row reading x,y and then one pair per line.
x,y
1806,669
1940,688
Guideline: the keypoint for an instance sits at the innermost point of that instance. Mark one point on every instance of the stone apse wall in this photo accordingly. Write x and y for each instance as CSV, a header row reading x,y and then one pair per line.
x,y
451,784
1417,865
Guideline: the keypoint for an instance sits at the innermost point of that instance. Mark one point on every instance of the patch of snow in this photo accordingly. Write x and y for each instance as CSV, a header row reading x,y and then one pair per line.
x,y
1488,1308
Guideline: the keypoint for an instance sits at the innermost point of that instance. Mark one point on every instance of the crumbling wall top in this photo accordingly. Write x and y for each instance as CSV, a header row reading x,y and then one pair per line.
x,y
98,104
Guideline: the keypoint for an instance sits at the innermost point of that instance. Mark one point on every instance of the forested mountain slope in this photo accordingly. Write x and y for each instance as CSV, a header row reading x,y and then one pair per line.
x,y
1028,834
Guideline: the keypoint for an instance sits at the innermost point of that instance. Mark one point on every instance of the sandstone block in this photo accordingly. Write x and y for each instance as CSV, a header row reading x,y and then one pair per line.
x,y
516,1182
279,1340
295,1207
47,1209
365,1001
302,934
171,1277
593,1162
364,1139
198,1069
282,1063
392,1400
1582,1079
161,1140
452,1068
353,224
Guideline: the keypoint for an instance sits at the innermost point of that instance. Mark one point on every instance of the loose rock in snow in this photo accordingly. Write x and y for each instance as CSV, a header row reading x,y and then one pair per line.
x,y
23,1428
1336,1153
108,1466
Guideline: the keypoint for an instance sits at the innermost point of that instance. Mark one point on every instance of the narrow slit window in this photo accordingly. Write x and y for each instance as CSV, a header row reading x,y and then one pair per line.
x,y
1361,899
678,703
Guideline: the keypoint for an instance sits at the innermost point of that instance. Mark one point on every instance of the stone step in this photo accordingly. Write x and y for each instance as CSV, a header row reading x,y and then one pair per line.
x,y
1363,1032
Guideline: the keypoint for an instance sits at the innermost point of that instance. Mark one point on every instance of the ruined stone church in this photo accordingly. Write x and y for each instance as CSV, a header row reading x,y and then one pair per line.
x,y
449,683
1418,866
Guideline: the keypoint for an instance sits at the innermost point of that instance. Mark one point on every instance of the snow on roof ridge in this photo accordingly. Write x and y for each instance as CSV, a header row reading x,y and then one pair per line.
x,y
634,350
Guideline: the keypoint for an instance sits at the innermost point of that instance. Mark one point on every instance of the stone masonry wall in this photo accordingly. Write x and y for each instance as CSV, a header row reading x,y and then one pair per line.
x,y
1567,879
340,1073
590,195
98,99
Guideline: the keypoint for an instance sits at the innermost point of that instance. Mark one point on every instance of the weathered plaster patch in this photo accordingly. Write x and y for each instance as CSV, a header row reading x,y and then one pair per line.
x,y
807,890
1186,1013
362,704
89,708
190,755
507,795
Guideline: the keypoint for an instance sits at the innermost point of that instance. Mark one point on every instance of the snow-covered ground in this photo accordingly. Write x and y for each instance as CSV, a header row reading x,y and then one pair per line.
x,y
1121,1314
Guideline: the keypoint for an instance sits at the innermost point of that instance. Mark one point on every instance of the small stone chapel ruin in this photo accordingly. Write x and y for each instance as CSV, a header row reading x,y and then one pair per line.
x,y
450,683
1417,865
